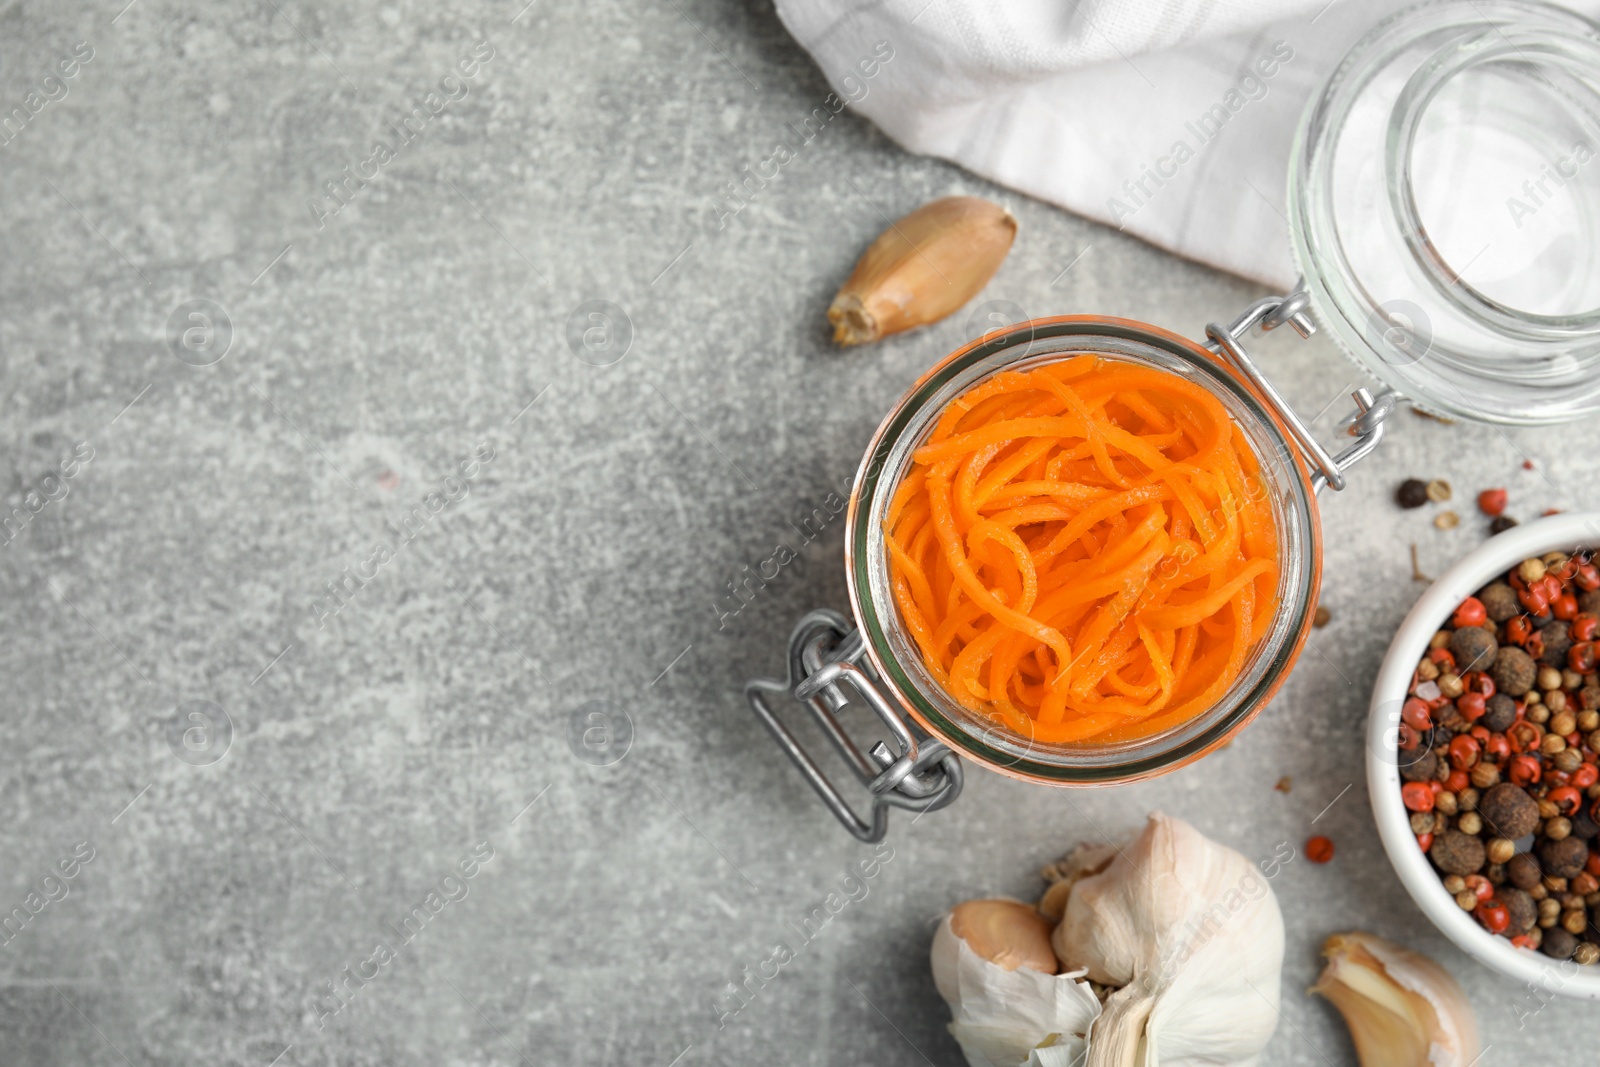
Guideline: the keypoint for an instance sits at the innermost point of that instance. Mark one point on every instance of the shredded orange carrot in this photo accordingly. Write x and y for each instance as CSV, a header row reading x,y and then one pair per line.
x,y
1084,552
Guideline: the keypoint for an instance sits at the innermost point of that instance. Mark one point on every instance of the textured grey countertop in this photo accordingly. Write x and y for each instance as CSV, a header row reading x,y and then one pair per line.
x,y
555,533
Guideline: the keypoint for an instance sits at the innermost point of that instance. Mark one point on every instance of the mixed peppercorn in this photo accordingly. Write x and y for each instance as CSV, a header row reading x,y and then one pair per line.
x,y
1499,738
1414,493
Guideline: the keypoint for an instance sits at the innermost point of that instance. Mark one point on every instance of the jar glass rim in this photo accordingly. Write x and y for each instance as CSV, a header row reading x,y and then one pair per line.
x,y
895,658
1493,46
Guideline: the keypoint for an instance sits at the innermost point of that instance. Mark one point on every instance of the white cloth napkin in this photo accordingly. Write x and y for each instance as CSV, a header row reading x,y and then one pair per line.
x,y
1169,119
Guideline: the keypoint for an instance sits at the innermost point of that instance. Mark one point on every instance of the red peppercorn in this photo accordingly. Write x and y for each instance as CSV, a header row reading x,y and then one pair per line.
x,y
1442,658
1534,600
1492,502
1555,777
1457,781
1523,941
1535,645
1409,738
1469,612
1565,606
1568,569
1464,751
1585,627
1525,736
1493,915
1584,776
1481,887
1581,657
1525,770
1566,798
1551,586
1414,713
1435,787
1588,577
1424,841
1593,863
1497,748
1518,629
1471,706
1417,796
1319,849
1479,682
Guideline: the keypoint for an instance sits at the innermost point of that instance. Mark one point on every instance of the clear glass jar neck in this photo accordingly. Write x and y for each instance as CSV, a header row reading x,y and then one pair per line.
x,y
1444,234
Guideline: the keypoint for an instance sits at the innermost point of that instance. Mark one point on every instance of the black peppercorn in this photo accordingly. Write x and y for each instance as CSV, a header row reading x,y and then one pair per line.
x,y
1500,713
1418,765
1500,524
1520,910
1474,648
1557,641
1524,871
1413,493
1558,944
1583,825
1564,858
1513,671
1509,811
1454,852
1499,601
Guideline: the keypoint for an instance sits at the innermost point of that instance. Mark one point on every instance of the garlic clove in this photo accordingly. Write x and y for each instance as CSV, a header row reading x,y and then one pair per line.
x,y
1402,1007
1085,859
922,268
1053,904
1004,1014
1005,932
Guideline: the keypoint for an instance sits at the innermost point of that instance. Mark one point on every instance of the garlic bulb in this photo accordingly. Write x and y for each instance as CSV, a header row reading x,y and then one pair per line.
x,y
993,965
1191,933
1402,1008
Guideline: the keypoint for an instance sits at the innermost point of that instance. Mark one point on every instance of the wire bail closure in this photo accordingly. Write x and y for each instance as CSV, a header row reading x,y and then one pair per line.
x,y
1366,425
826,654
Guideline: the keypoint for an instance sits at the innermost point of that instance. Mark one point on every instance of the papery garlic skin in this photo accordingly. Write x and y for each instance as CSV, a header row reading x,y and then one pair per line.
x,y
922,268
1008,1018
1403,1009
1191,932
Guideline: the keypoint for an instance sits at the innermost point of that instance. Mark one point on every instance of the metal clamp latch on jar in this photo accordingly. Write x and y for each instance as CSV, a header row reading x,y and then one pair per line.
x,y
1366,425
825,655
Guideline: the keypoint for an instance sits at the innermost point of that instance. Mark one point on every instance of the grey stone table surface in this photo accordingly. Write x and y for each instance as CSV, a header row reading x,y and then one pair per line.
x,y
227,389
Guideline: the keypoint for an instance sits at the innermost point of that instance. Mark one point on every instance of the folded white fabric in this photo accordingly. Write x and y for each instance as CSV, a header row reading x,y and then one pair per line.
x,y
1169,119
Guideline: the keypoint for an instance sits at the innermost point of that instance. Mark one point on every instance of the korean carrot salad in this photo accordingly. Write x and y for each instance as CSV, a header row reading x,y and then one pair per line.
x,y
1084,551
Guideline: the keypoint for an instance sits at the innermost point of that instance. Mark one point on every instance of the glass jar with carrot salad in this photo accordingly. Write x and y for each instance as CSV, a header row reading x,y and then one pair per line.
x,y
1085,550
1080,551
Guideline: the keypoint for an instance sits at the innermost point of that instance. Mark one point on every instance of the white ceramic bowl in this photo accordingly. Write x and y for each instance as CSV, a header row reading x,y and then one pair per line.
x,y
1422,881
